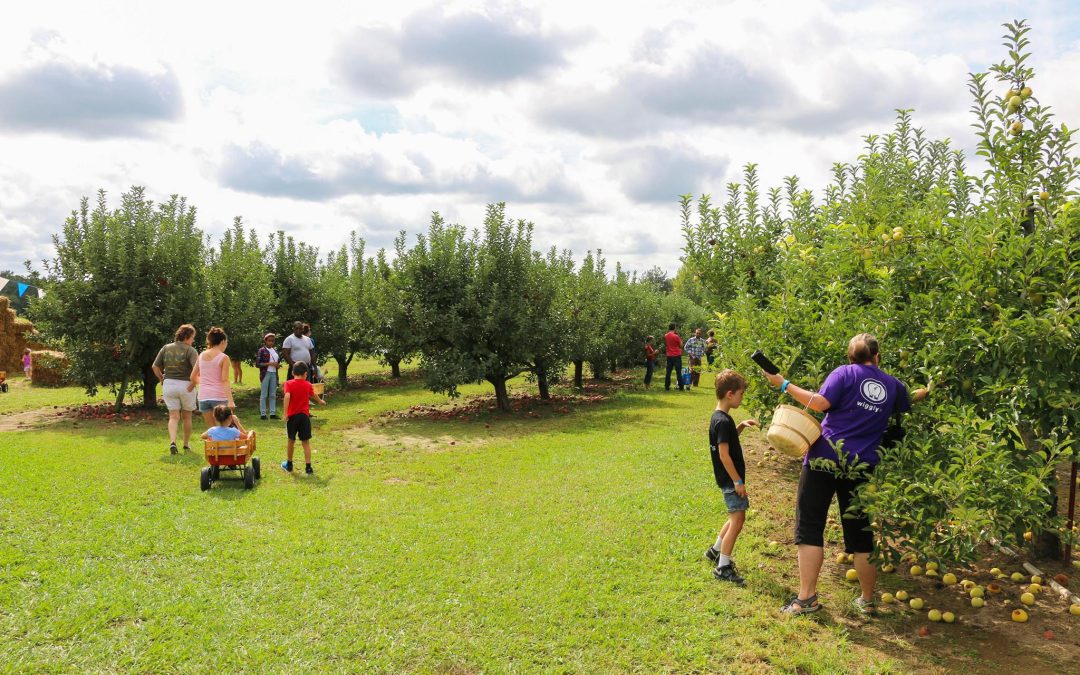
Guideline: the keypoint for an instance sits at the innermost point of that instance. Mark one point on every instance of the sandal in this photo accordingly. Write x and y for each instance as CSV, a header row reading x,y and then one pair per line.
x,y
795,606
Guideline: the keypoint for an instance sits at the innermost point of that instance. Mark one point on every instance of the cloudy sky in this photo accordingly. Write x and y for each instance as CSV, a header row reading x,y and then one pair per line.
x,y
587,118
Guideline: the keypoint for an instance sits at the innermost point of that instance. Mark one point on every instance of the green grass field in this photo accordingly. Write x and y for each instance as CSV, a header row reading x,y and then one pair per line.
x,y
567,542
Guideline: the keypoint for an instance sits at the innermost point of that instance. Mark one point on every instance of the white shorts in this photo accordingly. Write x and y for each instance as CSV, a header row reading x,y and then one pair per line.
x,y
177,396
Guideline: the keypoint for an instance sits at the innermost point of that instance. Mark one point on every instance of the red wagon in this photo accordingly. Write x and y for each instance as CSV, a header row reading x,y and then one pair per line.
x,y
238,455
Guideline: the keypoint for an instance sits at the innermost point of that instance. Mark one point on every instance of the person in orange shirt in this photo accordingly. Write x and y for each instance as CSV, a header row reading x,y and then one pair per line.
x,y
673,349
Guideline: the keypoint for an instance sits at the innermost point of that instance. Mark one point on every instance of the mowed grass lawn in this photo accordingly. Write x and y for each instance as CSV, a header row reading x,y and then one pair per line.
x,y
561,542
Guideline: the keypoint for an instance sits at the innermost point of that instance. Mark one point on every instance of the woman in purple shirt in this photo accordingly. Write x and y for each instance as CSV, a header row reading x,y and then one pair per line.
x,y
858,399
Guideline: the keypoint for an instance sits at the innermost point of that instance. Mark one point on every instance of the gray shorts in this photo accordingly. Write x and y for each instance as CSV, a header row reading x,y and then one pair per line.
x,y
733,501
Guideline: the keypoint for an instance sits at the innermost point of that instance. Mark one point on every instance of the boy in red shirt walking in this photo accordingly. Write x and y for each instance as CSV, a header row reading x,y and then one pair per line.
x,y
298,392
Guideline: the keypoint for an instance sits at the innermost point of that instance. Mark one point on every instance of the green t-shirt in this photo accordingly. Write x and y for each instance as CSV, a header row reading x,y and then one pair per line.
x,y
176,360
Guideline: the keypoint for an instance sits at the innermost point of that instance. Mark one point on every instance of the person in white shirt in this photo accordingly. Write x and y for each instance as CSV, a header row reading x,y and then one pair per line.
x,y
296,348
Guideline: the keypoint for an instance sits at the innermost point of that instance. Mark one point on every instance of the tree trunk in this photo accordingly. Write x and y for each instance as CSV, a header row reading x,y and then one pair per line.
x,y
597,370
149,387
542,383
578,368
395,367
1048,544
502,399
342,369
120,394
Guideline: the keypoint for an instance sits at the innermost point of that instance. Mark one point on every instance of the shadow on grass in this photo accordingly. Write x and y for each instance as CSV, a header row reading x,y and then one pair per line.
x,y
183,458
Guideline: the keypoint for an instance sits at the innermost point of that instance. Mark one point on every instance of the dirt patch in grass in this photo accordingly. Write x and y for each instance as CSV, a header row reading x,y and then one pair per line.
x,y
987,635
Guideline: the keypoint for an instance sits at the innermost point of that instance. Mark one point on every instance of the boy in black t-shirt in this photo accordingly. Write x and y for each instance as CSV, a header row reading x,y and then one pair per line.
x,y
729,470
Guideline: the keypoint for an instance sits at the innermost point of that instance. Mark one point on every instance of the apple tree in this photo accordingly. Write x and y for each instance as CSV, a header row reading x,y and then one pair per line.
x,y
969,281
122,280
239,297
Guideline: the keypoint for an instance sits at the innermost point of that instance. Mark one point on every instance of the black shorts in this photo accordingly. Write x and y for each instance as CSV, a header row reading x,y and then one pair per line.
x,y
816,490
299,425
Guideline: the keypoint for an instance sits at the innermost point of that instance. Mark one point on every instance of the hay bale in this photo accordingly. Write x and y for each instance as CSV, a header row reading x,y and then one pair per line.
x,y
50,368
13,334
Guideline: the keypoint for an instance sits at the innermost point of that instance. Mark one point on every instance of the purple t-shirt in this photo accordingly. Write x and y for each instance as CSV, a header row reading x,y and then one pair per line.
x,y
862,399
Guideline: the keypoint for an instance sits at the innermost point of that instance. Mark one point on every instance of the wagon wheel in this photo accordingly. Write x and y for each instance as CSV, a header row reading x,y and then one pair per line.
x,y
204,478
256,466
215,473
249,478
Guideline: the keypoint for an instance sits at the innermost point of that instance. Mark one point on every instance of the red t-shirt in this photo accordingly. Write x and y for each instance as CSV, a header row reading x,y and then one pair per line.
x,y
650,353
299,391
674,344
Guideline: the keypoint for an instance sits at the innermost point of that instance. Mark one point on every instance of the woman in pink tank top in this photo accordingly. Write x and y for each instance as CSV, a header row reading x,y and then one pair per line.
x,y
212,373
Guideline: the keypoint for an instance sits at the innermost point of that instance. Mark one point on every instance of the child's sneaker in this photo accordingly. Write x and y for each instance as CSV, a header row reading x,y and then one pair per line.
x,y
287,465
863,606
711,554
308,470
729,573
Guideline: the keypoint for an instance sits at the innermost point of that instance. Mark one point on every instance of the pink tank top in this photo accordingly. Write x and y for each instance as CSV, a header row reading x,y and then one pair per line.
x,y
212,386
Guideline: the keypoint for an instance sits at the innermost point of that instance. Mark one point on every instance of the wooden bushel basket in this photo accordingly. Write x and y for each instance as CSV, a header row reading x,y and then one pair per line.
x,y
793,430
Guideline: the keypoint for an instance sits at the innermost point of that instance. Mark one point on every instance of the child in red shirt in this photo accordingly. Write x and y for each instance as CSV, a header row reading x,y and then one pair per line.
x,y
650,360
298,392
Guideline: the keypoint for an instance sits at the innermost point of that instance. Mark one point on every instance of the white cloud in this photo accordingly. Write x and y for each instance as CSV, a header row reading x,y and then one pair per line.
x,y
588,118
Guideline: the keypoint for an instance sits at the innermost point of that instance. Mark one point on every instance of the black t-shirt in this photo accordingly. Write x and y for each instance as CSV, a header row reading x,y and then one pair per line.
x,y
722,429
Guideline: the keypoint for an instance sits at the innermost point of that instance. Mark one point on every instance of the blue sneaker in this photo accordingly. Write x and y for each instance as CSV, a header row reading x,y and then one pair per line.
x,y
287,465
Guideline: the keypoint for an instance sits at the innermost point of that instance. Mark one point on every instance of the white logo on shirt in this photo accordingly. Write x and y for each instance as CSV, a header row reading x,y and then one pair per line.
x,y
874,391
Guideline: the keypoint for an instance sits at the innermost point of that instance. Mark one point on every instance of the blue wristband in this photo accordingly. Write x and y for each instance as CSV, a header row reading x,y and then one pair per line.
x,y
783,387
739,482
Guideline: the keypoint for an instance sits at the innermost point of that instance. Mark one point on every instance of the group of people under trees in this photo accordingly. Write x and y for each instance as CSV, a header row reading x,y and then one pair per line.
x,y
192,381
695,348
858,401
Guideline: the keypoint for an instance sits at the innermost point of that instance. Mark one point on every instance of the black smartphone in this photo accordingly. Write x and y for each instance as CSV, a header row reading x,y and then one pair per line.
x,y
763,361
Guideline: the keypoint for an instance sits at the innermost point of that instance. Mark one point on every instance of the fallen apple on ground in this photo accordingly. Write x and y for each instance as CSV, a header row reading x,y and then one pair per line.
x,y
916,603
948,617
1019,616
851,575
948,579
916,571
901,595
1016,576
934,615
888,598
1074,610
1027,599
977,602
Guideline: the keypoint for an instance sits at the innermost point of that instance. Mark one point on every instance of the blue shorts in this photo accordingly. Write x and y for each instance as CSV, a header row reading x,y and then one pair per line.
x,y
733,501
209,405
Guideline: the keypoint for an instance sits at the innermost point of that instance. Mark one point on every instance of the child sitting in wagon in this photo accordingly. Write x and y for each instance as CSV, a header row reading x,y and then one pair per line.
x,y
228,427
